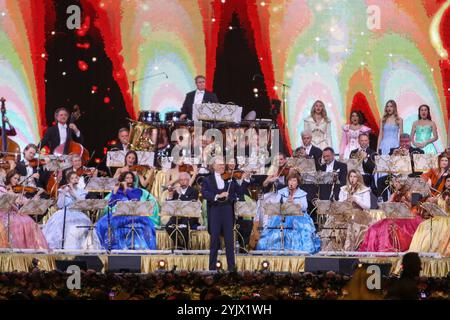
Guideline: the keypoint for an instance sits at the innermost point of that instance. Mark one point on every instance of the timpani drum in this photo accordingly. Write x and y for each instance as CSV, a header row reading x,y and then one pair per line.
x,y
149,116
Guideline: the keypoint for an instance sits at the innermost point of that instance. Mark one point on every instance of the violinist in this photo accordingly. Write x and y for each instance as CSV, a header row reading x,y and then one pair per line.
x,y
173,174
24,232
61,132
83,172
436,177
331,165
31,172
277,173
143,175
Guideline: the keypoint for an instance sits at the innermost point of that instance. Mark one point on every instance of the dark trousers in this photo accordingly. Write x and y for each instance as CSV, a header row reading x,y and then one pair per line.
x,y
221,223
181,236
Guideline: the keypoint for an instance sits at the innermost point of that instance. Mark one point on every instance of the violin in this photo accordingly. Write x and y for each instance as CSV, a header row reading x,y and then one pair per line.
x,y
24,189
36,163
227,175
185,168
139,168
284,171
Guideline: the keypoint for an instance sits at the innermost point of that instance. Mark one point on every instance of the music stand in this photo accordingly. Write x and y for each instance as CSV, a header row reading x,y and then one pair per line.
x,y
302,165
58,162
320,178
36,208
424,162
180,209
242,209
341,214
396,210
418,185
7,202
392,165
283,210
92,207
133,209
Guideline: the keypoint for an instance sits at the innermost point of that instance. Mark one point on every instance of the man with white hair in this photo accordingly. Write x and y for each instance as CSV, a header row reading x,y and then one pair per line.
x,y
309,149
183,192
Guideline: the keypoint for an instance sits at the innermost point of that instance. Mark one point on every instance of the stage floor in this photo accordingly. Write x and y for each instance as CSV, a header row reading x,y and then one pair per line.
x,y
198,261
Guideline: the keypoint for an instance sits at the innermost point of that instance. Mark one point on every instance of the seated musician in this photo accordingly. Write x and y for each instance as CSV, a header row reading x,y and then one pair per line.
x,y
24,232
83,172
439,240
183,192
365,155
405,149
393,234
173,175
276,175
436,177
300,233
141,174
123,137
200,95
308,148
75,224
61,132
353,231
145,237
31,172
330,164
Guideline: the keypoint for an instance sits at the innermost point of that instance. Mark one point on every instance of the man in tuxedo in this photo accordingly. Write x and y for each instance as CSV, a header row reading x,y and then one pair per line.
x,y
196,97
220,196
123,140
30,175
365,154
184,193
61,132
327,191
405,147
309,149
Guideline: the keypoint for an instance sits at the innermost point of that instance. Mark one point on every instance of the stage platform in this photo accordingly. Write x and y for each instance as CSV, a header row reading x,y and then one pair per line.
x,y
197,260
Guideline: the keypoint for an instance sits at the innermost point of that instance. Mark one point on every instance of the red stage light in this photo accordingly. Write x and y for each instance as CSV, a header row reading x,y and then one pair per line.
x,y
106,100
83,66
97,160
85,45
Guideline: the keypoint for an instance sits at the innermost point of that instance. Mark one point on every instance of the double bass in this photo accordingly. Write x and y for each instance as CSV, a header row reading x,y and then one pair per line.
x,y
9,147
70,146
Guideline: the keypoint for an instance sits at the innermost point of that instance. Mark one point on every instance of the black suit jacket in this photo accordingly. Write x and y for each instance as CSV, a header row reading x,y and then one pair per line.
x,y
369,165
51,137
191,194
325,190
208,97
43,175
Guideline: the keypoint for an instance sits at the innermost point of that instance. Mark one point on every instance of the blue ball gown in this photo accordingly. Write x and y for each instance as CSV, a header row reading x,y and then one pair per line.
x,y
301,235
121,239
390,138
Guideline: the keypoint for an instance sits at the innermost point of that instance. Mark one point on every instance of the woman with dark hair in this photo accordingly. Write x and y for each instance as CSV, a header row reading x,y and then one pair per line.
x,y
77,234
300,233
24,232
120,226
142,178
350,134
424,132
436,176
391,128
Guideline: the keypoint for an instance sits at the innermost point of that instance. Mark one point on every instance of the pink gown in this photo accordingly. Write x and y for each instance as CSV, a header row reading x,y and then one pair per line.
x,y
349,140
24,232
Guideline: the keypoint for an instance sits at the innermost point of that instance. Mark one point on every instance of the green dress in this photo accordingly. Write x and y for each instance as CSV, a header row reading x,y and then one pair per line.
x,y
424,133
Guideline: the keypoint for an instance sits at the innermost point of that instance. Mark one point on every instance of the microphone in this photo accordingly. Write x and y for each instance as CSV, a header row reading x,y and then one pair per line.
x,y
167,77
257,75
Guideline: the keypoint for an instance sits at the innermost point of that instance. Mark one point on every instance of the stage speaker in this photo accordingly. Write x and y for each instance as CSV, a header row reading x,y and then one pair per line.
x,y
92,262
62,265
121,264
339,265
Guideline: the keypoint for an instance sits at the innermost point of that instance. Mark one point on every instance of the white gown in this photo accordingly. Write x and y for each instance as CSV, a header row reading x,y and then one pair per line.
x,y
76,238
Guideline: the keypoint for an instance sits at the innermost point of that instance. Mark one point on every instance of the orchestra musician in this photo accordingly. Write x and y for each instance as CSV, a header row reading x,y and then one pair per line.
x,y
83,172
366,156
436,176
405,149
309,149
183,192
61,132
330,164
198,96
277,173
31,170
142,174
123,137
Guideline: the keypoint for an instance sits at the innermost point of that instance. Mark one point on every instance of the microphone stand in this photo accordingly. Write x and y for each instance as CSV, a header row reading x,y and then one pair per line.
x,y
143,78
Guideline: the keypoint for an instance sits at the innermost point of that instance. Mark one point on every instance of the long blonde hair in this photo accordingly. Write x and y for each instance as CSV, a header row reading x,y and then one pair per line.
x,y
386,116
324,111
359,183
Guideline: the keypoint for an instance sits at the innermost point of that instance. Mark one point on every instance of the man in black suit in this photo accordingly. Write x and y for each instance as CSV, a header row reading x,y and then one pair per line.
x,y
220,196
123,140
309,149
331,165
31,175
184,193
405,148
366,155
197,96
61,132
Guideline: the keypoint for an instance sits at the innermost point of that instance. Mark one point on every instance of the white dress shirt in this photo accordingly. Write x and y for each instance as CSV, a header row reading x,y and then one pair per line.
x,y
219,181
63,133
308,149
330,167
199,96
30,182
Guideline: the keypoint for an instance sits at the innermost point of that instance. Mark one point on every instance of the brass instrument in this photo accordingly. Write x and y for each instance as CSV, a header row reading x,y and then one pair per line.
x,y
141,136
401,152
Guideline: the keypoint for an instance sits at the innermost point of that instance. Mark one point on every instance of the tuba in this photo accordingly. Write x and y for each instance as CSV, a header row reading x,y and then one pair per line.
x,y
142,136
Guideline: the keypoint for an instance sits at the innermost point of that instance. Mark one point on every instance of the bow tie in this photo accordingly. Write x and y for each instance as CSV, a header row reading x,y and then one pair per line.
x,y
198,91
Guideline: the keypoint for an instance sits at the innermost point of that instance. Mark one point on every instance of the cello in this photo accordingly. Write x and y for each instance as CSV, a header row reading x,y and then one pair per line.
x,y
9,147
70,146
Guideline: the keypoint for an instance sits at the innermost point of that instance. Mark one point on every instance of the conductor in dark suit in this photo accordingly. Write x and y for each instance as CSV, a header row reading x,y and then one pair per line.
x,y
331,191
61,132
220,196
366,156
183,193
196,97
